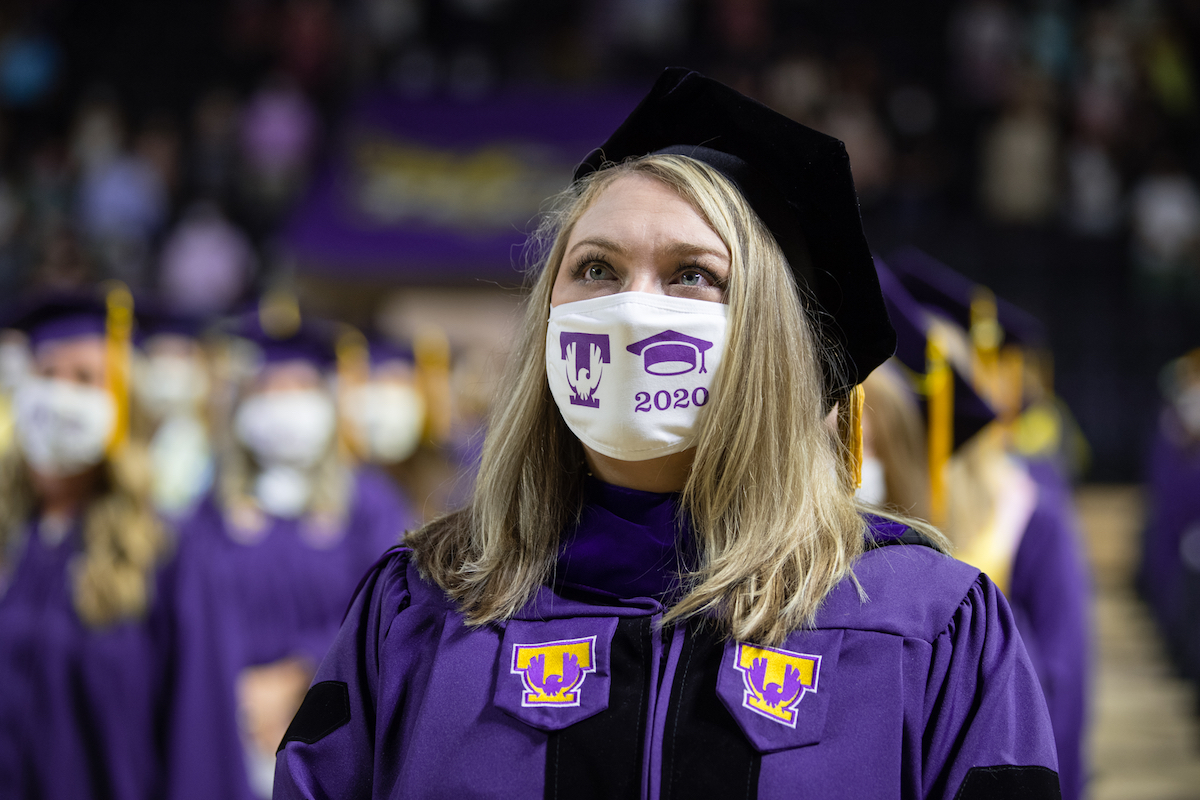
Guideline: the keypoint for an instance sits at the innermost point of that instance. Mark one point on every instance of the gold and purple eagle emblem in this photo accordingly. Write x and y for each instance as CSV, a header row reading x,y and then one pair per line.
x,y
553,672
776,680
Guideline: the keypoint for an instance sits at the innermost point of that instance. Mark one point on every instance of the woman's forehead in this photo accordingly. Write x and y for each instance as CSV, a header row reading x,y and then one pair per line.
x,y
640,209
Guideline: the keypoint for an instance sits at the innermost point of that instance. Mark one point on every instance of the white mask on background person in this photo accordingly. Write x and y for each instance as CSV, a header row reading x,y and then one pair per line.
x,y
387,419
874,486
1187,404
166,385
63,428
16,363
631,372
283,491
292,428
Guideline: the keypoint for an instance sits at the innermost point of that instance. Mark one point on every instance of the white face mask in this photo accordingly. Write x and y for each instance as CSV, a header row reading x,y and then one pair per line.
x,y
631,371
15,364
874,487
283,491
167,385
386,419
63,428
1187,403
291,428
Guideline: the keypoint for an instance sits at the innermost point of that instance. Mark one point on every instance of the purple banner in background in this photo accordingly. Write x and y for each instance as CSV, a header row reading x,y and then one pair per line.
x,y
433,191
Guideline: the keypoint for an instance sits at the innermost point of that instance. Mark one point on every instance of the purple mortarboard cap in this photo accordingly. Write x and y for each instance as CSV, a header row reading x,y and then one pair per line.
x,y
311,340
971,412
52,316
156,318
936,285
385,350
798,182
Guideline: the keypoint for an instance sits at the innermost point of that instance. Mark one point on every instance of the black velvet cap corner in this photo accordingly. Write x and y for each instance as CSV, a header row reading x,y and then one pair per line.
x,y
798,181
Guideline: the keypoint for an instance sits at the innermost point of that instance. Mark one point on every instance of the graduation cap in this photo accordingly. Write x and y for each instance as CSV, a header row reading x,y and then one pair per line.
x,y
953,411
798,182
971,412
1001,334
671,353
281,334
155,318
969,304
106,311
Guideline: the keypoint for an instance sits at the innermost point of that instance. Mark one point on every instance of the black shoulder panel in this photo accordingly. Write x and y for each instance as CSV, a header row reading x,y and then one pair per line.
x,y
326,708
1010,782
909,536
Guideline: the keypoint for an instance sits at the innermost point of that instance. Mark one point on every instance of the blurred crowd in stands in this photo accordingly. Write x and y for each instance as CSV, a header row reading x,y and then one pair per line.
x,y
1043,146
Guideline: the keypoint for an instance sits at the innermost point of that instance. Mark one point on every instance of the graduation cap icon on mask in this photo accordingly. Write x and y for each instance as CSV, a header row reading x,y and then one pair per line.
x,y
671,353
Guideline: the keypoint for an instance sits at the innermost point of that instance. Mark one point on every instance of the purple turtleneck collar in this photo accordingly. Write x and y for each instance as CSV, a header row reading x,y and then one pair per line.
x,y
628,543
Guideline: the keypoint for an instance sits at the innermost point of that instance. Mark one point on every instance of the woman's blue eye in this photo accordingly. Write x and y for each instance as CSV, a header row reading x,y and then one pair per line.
x,y
691,278
597,272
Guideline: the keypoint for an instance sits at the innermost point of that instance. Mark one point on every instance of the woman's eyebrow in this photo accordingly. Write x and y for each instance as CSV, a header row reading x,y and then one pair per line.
x,y
680,249
601,242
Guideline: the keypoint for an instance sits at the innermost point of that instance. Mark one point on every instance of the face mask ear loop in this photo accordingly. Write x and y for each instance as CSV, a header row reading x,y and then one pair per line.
x,y
353,370
117,354
850,413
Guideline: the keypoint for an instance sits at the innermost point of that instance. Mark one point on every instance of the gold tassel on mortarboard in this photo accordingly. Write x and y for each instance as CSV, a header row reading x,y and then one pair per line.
x,y
118,325
850,413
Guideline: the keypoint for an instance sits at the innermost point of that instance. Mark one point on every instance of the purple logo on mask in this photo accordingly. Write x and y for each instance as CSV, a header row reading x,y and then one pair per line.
x,y
671,353
585,354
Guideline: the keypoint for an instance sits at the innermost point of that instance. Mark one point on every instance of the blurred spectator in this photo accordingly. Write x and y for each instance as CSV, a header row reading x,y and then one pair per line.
x,y
213,156
278,134
1093,201
984,44
1020,159
30,63
1165,209
206,263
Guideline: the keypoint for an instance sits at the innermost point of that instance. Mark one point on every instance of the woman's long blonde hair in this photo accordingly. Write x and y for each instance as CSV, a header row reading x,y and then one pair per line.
x,y
767,496
899,439
123,540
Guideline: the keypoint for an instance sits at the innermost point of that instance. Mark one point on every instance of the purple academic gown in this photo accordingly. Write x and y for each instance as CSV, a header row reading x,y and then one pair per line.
x,y
78,705
1049,593
924,691
1173,486
238,605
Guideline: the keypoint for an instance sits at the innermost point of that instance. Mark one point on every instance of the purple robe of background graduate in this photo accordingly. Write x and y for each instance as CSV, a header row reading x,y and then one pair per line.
x,y
913,688
78,705
238,605
80,699
1050,594
1173,487
260,596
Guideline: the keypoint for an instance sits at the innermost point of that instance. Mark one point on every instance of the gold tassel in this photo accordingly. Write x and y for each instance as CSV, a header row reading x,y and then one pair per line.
x,y
353,369
431,351
850,413
986,338
118,325
939,397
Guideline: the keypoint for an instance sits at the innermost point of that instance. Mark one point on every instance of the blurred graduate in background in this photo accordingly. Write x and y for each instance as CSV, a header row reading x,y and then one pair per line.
x,y
170,410
80,557
938,426
270,559
1169,573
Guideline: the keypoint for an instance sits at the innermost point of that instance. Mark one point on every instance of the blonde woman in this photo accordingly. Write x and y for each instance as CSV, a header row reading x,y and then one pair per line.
x,y
80,548
662,586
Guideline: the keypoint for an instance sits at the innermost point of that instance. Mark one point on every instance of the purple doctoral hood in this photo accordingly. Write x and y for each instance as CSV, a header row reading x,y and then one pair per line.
x,y
440,190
